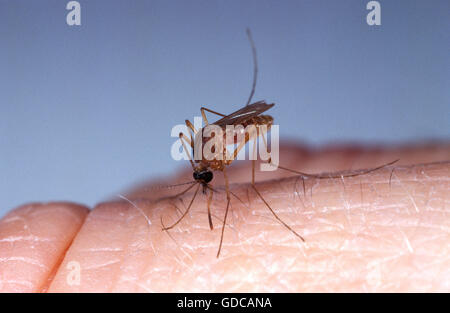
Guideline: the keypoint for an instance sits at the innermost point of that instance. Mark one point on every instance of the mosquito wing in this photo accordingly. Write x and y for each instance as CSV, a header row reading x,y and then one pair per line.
x,y
242,115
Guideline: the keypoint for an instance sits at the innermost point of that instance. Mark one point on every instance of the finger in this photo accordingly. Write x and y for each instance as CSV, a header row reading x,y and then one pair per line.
x,y
33,240
310,160
377,232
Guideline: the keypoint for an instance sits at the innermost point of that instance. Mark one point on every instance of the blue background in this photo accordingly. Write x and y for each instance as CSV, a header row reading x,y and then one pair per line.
x,y
87,110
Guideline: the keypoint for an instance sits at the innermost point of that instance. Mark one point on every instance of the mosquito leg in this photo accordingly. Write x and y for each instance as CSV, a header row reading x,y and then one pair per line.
x,y
186,212
253,160
183,138
275,215
186,138
205,120
227,188
330,175
239,148
211,111
191,126
231,193
184,191
265,202
209,209
192,130
270,162
230,159
253,172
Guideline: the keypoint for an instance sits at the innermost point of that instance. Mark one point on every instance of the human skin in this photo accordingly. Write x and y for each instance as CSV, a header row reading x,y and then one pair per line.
x,y
388,230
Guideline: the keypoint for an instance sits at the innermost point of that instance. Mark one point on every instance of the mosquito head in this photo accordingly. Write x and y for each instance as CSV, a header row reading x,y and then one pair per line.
x,y
204,176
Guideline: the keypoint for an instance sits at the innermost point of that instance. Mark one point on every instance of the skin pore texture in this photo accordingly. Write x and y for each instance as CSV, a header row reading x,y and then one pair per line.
x,y
384,231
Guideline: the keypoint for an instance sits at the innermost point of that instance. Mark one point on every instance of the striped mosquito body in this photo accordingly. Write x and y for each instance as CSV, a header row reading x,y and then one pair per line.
x,y
239,122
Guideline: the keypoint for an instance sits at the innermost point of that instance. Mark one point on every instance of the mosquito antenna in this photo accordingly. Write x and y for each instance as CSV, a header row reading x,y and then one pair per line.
x,y
255,65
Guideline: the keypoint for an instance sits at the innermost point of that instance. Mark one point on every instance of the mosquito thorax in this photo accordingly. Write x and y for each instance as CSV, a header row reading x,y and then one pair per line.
x,y
203,176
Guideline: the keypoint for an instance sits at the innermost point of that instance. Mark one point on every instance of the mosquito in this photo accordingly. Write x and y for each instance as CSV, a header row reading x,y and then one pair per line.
x,y
250,114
